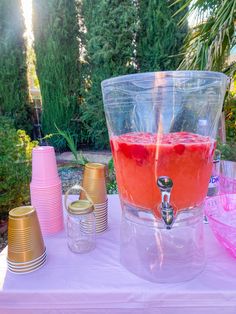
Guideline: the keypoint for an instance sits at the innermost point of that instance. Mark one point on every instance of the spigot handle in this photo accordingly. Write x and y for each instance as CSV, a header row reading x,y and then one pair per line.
x,y
165,185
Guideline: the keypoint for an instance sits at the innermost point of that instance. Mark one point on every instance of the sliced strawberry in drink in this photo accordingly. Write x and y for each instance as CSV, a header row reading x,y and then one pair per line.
x,y
124,148
179,148
139,153
134,151
133,146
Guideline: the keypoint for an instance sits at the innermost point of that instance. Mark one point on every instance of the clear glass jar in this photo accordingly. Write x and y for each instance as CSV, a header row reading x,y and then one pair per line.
x,y
81,225
81,230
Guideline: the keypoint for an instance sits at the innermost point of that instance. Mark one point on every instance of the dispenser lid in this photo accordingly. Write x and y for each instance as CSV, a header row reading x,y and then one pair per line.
x,y
80,207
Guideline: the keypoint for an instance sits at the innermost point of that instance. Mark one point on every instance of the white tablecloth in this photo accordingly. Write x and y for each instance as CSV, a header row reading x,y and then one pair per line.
x,y
96,282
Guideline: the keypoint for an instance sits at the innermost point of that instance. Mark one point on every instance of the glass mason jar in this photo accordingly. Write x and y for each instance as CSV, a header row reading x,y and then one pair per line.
x,y
81,224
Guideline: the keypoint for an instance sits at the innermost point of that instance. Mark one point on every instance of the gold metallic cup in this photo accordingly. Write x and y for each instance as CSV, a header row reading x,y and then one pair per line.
x,y
25,241
94,183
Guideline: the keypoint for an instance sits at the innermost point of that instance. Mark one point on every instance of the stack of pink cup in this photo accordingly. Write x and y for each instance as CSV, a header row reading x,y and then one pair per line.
x,y
46,190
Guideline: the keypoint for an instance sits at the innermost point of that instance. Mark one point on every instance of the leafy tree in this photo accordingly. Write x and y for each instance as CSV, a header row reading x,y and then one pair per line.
x,y
208,46
14,96
109,40
56,31
209,43
160,38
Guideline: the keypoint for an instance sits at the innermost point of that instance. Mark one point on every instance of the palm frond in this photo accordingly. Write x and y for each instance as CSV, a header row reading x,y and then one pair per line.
x,y
208,45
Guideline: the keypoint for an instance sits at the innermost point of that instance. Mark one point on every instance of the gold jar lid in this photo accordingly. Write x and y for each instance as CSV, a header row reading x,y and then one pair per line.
x,y
80,207
21,211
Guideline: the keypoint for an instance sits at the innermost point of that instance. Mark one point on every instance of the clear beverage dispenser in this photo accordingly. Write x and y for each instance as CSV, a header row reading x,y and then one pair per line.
x,y
163,162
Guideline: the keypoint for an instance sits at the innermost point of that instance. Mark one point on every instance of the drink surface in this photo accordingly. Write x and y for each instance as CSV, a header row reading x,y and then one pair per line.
x,y
140,158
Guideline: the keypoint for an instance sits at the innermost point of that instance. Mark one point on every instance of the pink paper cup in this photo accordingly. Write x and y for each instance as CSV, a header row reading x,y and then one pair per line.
x,y
47,189
51,222
50,184
47,212
47,203
44,187
53,200
53,195
53,228
47,208
44,166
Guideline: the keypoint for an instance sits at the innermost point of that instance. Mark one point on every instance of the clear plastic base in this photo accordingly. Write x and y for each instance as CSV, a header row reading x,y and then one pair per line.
x,y
156,254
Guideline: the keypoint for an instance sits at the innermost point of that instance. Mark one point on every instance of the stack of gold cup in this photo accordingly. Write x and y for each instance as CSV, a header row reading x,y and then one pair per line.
x,y
26,249
94,182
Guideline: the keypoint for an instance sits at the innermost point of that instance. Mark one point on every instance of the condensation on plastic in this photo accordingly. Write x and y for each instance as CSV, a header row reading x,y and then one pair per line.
x,y
143,102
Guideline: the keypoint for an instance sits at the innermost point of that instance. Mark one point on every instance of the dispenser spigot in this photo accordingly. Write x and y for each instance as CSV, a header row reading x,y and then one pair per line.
x,y
165,185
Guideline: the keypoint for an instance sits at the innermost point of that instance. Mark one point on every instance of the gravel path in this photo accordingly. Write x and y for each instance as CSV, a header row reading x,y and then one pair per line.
x,y
70,176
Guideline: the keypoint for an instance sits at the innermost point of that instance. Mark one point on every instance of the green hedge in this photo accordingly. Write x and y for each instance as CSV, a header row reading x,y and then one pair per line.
x,y
56,32
112,37
124,37
15,166
159,38
109,40
14,96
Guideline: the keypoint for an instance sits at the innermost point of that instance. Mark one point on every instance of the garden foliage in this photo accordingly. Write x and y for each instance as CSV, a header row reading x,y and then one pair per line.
x,y
209,42
14,96
160,38
230,115
124,37
109,41
56,31
207,47
80,43
15,166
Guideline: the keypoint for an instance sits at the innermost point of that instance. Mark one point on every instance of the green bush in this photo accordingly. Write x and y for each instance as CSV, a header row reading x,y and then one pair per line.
x,y
228,151
15,166
112,187
230,117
